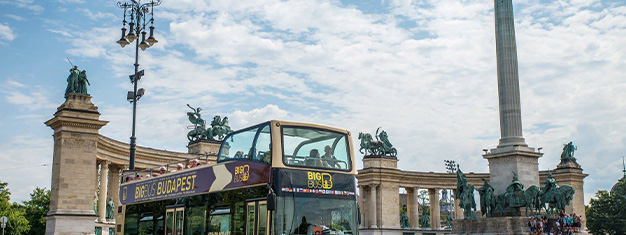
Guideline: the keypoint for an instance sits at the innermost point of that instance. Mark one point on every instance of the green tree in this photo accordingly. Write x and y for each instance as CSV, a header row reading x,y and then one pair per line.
x,y
18,224
606,214
36,209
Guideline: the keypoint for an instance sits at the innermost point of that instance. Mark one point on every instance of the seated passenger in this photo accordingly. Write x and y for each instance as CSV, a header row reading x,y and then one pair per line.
x,y
239,154
194,163
315,160
162,170
329,159
179,167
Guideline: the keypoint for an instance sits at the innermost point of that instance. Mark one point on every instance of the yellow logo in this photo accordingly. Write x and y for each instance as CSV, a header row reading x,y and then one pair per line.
x,y
124,193
320,180
242,173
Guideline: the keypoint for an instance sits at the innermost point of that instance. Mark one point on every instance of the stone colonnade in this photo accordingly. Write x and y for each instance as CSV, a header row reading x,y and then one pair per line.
x,y
81,153
380,180
379,183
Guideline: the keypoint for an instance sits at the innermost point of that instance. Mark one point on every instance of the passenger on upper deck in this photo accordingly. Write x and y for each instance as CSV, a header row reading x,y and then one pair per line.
x,y
329,159
315,160
194,163
179,167
162,170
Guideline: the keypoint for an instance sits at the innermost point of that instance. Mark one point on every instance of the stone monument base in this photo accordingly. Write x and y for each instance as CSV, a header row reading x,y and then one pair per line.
x,y
70,223
496,225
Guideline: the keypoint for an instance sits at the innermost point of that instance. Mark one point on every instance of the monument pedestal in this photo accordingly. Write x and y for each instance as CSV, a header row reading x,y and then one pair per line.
x,y
204,147
76,124
488,226
503,161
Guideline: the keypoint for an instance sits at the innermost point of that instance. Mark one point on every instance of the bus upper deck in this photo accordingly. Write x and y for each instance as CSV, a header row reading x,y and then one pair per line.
x,y
276,177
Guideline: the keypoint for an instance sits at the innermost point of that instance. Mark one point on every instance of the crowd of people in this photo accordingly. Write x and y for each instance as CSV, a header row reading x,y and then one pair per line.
x,y
163,170
564,225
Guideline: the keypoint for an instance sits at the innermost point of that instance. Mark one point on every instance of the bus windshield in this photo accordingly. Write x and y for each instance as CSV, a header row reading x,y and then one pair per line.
x,y
314,215
315,148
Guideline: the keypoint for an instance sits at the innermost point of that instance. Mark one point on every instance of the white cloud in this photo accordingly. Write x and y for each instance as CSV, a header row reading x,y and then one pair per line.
x,y
30,98
425,72
96,15
71,1
6,32
14,17
61,32
26,4
241,119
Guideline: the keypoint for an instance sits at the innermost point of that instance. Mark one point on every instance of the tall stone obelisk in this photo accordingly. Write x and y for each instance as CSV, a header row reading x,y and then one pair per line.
x,y
512,153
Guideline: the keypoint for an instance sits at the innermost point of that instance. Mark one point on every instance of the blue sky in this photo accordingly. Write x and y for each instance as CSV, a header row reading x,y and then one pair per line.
x,y
423,70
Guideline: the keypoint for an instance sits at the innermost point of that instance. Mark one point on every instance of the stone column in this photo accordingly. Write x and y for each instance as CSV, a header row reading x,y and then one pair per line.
x,y
372,210
458,214
102,197
361,207
435,220
413,207
76,125
508,77
114,187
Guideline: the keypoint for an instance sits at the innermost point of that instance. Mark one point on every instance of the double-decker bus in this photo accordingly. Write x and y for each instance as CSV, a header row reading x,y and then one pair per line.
x,y
277,177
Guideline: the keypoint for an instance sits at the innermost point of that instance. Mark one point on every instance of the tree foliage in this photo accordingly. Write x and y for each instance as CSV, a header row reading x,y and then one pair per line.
x,y
36,209
606,214
18,224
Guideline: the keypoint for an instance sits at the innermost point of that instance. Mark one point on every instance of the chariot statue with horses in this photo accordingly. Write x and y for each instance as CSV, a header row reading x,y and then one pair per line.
x,y
379,147
219,127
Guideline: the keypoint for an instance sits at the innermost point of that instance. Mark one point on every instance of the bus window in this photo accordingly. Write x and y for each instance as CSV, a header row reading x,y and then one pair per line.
x,y
315,148
196,217
253,143
219,221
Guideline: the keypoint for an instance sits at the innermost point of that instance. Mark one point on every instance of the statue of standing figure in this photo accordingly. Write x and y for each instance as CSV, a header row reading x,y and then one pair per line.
x,y
110,208
568,151
425,221
487,199
404,219
77,82
465,194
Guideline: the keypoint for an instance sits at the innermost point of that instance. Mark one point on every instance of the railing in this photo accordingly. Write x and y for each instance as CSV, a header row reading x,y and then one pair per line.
x,y
130,175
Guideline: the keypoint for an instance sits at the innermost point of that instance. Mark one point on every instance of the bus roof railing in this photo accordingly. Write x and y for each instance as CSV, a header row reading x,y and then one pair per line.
x,y
130,175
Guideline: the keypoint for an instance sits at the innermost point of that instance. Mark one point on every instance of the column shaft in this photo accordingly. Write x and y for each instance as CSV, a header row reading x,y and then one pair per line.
x,y
102,203
508,77
414,209
361,207
458,214
372,207
435,213
114,187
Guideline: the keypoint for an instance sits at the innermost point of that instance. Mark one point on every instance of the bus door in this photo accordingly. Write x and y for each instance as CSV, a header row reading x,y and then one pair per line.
x,y
174,218
257,218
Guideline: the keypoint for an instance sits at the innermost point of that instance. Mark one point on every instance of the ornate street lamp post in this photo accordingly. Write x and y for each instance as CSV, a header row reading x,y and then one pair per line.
x,y
137,13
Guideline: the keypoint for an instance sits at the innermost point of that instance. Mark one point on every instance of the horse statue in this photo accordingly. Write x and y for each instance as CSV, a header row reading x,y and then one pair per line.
x,y
487,199
380,146
501,203
531,196
219,128
369,146
465,194
558,199
198,130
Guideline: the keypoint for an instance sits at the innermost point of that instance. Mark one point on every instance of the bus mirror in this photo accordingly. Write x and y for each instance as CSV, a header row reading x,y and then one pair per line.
x,y
271,201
